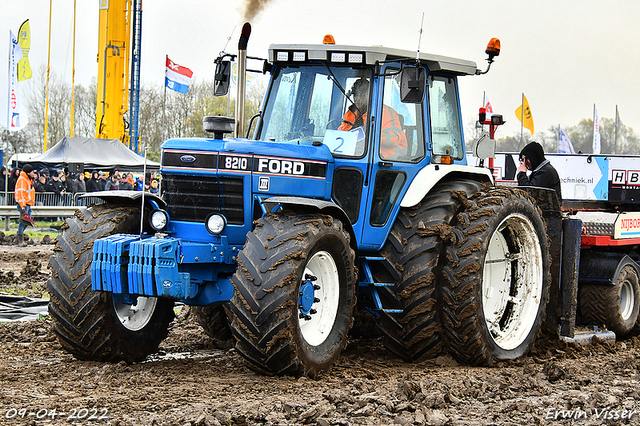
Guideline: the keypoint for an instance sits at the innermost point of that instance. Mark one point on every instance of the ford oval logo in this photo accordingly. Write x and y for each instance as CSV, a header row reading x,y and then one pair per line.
x,y
187,158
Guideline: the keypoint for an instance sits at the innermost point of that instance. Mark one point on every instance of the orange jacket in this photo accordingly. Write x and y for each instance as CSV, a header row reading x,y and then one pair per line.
x,y
25,193
392,136
350,119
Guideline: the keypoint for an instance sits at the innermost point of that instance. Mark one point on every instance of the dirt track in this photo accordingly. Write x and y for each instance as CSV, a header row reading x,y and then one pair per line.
x,y
190,382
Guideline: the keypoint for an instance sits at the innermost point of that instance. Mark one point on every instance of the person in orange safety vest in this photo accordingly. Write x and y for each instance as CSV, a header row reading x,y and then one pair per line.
x,y
393,140
25,196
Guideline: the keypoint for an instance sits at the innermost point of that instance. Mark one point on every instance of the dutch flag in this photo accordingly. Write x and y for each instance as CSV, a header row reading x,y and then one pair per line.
x,y
177,77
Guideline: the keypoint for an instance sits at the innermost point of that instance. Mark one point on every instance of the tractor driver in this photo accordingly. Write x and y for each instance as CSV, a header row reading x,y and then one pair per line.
x,y
393,141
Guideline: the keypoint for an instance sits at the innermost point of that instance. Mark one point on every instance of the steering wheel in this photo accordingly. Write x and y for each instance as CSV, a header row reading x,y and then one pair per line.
x,y
335,123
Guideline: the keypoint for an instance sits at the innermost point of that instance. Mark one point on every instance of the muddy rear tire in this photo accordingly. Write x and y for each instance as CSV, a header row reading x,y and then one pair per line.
x,y
92,325
413,254
497,278
614,306
294,294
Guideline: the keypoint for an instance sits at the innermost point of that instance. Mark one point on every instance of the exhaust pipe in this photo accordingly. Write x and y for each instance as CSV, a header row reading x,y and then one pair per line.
x,y
242,78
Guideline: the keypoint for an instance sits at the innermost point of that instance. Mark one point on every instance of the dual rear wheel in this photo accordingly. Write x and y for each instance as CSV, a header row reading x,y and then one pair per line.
x,y
478,287
496,282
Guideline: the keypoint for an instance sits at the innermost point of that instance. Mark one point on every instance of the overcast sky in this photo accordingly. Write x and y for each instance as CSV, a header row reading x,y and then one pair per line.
x,y
564,55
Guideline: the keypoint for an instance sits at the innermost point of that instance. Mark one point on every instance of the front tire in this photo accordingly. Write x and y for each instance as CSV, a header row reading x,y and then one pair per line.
x,y
294,294
497,278
93,325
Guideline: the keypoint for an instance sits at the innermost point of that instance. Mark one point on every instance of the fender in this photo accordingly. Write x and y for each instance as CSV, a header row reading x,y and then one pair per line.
x,y
428,177
598,267
322,206
127,197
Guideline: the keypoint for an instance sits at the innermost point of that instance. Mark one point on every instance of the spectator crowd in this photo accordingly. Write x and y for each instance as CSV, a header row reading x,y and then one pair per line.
x,y
63,185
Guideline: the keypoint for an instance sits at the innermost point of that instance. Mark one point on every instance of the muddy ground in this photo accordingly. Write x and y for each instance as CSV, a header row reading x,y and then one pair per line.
x,y
190,382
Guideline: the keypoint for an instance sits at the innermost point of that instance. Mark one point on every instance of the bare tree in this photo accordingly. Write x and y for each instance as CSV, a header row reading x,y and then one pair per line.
x,y
581,136
183,112
150,127
14,142
59,108
84,122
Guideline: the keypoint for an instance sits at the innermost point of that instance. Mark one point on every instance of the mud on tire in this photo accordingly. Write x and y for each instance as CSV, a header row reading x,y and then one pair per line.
x,y
496,278
285,256
91,325
413,254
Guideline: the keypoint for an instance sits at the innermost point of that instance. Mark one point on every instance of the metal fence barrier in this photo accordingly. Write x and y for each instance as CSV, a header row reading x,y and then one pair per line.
x,y
51,199
48,205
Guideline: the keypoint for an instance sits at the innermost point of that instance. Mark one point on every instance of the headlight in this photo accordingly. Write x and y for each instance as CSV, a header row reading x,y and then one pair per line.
x,y
215,223
159,219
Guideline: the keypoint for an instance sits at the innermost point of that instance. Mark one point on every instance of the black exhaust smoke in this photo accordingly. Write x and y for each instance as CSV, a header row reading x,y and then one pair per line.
x,y
253,7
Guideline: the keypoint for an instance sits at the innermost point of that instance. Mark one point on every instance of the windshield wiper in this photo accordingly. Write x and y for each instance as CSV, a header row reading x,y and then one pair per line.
x,y
337,83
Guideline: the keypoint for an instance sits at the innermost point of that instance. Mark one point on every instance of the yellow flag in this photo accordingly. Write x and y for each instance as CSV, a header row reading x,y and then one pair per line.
x,y
24,40
527,117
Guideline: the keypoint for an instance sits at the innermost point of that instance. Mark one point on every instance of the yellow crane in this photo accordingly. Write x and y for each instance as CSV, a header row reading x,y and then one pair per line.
x,y
118,69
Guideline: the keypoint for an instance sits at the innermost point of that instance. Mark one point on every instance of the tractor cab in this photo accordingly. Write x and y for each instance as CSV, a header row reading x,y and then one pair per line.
x,y
382,114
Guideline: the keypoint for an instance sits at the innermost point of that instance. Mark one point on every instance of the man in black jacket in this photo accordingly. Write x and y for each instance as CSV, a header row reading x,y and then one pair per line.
x,y
56,186
543,174
95,183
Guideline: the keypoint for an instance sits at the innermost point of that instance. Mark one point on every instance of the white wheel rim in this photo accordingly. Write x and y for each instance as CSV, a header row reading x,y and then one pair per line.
x,y
627,300
135,317
512,282
316,330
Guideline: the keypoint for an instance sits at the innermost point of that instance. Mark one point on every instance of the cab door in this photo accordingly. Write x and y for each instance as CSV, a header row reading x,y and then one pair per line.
x,y
399,151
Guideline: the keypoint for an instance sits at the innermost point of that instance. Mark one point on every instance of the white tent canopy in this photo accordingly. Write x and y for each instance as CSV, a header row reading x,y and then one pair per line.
x,y
94,153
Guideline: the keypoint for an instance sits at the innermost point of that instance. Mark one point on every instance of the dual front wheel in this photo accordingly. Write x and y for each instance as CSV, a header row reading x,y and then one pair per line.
x,y
291,311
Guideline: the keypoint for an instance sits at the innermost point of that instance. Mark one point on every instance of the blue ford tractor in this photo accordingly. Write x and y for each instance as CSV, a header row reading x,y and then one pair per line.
x,y
274,238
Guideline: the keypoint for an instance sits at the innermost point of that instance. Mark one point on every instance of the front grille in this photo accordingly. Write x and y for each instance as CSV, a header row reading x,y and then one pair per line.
x,y
193,198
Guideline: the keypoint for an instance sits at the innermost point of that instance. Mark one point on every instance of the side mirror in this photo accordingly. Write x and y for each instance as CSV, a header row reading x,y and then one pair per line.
x,y
413,83
484,146
222,77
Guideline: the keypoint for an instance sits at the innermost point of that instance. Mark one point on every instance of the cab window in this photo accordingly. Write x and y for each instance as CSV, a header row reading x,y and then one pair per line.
x,y
307,104
401,129
446,136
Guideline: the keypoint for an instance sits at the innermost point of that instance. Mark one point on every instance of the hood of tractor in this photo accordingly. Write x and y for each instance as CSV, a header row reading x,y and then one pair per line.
x,y
240,157
201,176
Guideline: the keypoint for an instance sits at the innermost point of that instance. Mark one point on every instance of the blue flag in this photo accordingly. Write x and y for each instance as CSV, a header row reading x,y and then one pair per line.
x,y
564,144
